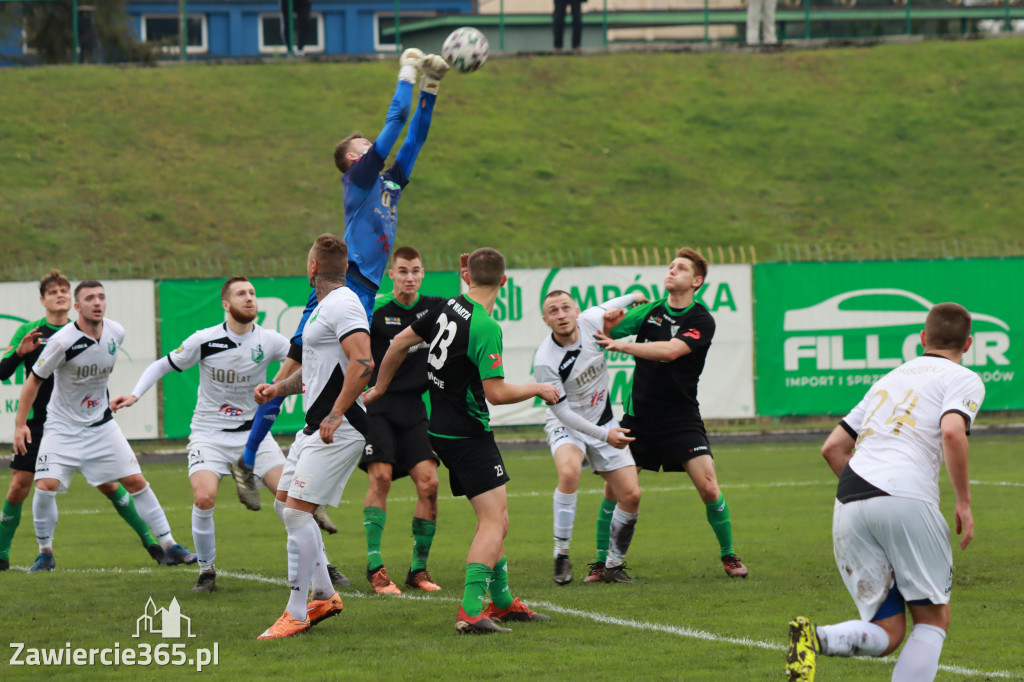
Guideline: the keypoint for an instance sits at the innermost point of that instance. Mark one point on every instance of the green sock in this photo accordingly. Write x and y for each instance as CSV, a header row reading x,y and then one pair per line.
x,y
718,517
9,521
125,506
500,594
373,522
604,528
423,535
478,576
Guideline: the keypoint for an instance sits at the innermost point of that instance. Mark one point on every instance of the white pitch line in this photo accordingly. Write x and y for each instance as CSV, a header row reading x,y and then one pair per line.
x,y
677,630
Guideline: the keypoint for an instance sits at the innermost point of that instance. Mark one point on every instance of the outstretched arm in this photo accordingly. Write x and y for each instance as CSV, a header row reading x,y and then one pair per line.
x,y
500,393
662,351
390,363
433,68
157,369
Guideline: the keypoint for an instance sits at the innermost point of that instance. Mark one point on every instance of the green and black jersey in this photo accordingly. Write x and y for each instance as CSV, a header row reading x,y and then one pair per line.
x,y
464,349
665,393
11,362
389,318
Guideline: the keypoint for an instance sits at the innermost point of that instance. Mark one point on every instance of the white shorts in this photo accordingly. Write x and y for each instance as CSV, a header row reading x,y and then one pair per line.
x,y
205,454
101,453
882,539
316,472
602,457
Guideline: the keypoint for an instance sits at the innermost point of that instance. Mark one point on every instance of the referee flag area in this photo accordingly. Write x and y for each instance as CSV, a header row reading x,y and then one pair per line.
x,y
107,610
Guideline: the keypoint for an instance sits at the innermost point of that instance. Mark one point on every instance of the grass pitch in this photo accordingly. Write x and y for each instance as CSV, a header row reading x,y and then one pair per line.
x,y
683,620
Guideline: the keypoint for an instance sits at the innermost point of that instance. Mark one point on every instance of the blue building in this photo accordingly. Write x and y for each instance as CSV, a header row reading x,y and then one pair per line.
x,y
252,28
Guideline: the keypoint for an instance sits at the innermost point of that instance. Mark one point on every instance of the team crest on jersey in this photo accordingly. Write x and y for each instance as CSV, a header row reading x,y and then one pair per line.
x,y
257,354
112,347
393,320
971,405
496,357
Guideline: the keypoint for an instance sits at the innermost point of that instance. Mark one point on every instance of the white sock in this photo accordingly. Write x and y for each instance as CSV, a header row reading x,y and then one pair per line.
x,y
322,586
303,553
919,660
853,638
44,518
205,536
153,514
279,509
620,536
565,517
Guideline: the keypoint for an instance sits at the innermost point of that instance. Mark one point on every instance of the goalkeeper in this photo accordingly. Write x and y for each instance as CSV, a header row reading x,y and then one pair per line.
x,y
370,197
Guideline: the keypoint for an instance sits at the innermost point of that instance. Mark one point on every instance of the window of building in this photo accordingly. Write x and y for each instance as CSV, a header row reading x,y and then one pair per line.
x,y
272,42
386,21
163,29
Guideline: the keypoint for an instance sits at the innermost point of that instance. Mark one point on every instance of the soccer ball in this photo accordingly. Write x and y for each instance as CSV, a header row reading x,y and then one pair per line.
x,y
465,49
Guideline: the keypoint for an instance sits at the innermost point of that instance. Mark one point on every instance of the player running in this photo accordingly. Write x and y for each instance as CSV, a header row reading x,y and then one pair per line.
x,y
80,433
890,540
370,197
26,347
336,365
581,425
233,358
397,443
464,374
673,336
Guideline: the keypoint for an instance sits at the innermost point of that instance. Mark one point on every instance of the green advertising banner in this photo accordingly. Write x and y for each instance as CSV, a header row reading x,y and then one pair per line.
x,y
189,305
827,331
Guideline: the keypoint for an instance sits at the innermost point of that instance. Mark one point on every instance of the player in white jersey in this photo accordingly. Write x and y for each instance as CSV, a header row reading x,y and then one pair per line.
x,y
80,433
336,366
890,540
233,358
581,425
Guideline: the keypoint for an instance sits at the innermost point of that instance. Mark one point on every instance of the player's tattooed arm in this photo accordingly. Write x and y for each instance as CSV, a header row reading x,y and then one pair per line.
x,y
264,393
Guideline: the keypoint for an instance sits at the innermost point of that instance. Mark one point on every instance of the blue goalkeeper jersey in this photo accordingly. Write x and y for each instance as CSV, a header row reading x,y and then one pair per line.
x,y
371,213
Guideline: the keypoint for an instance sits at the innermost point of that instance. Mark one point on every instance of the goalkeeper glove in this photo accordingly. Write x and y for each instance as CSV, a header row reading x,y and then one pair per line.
x,y
433,68
409,65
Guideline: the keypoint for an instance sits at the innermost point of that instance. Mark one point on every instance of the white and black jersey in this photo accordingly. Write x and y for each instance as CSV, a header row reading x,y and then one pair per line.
x,y
230,367
578,371
897,427
81,367
324,362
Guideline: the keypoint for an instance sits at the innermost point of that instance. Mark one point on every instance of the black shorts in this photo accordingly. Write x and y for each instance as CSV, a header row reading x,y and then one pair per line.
x,y
666,449
27,462
397,435
474,464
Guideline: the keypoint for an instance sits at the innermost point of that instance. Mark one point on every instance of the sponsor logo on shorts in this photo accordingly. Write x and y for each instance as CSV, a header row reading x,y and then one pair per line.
x,y
699,448
300,482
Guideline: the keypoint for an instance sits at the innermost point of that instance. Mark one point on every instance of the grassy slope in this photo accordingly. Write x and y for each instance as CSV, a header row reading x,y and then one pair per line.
x,y
894,143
